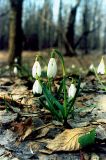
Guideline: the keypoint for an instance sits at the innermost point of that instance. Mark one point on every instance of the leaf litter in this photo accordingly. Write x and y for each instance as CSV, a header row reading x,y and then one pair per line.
x,y
28,131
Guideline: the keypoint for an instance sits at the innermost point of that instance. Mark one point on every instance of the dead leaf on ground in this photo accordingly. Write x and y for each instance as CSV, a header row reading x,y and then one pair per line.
x,y
7,137
101,101
85,98
44,130
101,132
68,140
8,99
24,129
7,117
5,81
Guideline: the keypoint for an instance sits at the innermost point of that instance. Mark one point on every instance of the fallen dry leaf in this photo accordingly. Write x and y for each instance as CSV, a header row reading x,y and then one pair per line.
x,y
101,101
68,140
24,129
7,117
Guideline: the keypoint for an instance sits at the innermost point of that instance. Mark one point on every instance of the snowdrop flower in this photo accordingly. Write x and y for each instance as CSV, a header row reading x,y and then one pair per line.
x,y
91,68
72,91
16,60
101,67
37,87
15,70
52,68
36,69
73,66
7,67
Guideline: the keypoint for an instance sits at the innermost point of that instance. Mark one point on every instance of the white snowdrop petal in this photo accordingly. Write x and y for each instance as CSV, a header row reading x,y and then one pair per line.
x,y
36,69
101,67
72,91
37,87
91,68
15,70
15,60
52,68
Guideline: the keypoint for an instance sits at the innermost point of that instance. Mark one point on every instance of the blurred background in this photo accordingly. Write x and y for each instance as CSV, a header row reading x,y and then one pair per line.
x,y
75,27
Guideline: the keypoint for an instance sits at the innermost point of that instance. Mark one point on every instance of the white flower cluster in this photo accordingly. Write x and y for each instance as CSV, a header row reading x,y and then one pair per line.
x,y
51,73
36,73
100,69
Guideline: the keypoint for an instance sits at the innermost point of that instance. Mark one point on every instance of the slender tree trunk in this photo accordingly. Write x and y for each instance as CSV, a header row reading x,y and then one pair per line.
x,y
15,32
60,22
104,41
70,33
86,26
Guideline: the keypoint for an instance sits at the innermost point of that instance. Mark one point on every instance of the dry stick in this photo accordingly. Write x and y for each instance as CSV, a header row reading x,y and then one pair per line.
x,y
44,126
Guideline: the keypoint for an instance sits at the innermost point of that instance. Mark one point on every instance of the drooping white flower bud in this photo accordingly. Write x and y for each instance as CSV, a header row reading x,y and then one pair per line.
x,y
37,87
16,60
15,70
52,68
101,67
91,68
36,69
72,91
73,66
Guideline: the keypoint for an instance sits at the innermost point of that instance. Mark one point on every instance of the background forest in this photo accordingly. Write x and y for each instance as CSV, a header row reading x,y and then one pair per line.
x,y
52,79
75,27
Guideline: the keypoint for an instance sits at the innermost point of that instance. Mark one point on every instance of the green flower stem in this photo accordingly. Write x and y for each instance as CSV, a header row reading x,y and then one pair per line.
x,y
64,83
99,79
65,97
49,84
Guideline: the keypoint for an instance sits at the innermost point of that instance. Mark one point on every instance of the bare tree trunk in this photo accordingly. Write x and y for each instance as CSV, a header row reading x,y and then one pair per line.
x,y
60,22
15,33
104,41
70,33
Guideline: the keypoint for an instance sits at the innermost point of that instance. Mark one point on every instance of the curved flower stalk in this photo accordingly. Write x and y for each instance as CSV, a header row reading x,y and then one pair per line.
x,y
37,88
72,91
101,67
64,84
52,68
36,69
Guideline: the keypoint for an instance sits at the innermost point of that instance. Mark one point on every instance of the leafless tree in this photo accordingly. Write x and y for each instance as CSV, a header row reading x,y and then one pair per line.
x,y
15,32
70,33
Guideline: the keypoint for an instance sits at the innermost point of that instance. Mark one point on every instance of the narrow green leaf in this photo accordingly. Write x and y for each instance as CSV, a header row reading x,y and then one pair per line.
x,y
53,99
87,139
59,54
60,88
50,103
43,104
62,60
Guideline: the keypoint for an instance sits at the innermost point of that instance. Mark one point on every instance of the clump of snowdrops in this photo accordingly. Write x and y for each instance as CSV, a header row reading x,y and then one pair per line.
x,y
59,110
100,70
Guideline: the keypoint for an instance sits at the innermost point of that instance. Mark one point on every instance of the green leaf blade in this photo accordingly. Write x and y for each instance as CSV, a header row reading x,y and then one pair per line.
x,y
51,102
87,139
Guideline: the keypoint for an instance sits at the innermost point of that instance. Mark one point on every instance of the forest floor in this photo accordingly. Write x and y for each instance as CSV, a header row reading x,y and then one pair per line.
x,y
29,132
